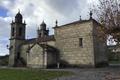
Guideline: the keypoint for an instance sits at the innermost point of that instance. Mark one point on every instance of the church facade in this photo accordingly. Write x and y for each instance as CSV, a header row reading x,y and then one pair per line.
x,y
73,45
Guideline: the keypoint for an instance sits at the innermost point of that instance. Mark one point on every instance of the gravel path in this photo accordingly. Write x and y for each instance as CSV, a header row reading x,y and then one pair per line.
x,y
93,74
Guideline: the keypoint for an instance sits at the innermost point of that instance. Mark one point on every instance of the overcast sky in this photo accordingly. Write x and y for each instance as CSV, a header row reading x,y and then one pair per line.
x,y
35,11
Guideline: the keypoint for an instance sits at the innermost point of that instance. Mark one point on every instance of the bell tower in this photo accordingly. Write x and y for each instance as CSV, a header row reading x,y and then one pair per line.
x,y
18,28
42,31
17,37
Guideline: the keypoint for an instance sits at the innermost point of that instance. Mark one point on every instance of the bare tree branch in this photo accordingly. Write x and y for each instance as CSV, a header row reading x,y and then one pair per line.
x,y
108,14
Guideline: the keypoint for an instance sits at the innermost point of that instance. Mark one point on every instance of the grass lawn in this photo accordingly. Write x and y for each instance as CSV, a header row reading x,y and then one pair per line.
x,y
114,62
27,74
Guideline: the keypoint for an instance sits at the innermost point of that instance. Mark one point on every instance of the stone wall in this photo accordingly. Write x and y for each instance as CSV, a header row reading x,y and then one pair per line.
x,y
24,51
51,43
67,41
14,49
34,58
51,59
100,46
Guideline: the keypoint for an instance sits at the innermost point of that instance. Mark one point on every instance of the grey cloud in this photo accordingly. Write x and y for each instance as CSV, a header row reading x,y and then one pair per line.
x,y
29,9
4,28
3,48
4,36
66,7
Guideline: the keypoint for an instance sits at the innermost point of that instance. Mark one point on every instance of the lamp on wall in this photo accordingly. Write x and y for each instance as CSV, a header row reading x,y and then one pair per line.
x,y
9,47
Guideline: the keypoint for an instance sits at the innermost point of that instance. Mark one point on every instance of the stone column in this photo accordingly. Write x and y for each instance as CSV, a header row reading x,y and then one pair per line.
x,y
45,58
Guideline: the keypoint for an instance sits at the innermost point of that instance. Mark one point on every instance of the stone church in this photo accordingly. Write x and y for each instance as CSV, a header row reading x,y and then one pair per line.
x,y
73,45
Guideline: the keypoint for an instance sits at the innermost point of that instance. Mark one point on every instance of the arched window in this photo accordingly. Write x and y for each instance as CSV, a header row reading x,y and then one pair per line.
x,y
20,31
13,30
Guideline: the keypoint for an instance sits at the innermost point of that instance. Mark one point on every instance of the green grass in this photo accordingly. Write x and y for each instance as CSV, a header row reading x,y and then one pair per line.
x,y
27,74
114,62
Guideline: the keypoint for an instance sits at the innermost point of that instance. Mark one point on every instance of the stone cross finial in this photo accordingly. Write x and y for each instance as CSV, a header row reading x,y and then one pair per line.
x,y
43,21
91,14
80,18
56,23
18,10
24,22
12,21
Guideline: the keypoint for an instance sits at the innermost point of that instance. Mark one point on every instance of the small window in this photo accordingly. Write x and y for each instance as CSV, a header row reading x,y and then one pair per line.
x,y
18,55
13,29
20,31
80,42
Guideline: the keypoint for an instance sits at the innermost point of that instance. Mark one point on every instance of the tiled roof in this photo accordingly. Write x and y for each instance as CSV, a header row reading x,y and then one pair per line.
x,y
46,38
42,39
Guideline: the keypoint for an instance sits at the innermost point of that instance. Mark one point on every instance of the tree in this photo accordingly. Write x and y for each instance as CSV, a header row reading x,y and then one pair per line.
x,y
108,14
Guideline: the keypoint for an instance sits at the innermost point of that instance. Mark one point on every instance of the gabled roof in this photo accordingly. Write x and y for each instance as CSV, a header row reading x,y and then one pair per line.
x,y
42,39
76,22
31,40
48,47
